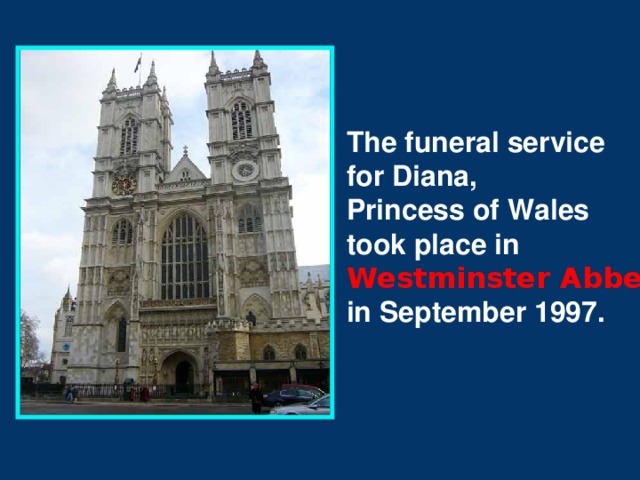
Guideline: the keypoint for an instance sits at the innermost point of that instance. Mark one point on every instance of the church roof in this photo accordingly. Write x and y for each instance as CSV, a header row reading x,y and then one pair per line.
x,y
323,270
185,165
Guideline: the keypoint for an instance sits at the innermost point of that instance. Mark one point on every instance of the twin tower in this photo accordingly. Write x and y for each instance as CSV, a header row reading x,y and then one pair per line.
x,y
188,280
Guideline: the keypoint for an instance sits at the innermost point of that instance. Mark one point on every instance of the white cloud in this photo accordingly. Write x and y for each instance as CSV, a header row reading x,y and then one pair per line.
x,y
59,109
39,241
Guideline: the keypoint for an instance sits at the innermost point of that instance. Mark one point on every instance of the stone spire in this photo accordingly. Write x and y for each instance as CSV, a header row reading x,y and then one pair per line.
x,y
164,95
214,71
258,67
152,79
67,301
257,60
111,86
213,67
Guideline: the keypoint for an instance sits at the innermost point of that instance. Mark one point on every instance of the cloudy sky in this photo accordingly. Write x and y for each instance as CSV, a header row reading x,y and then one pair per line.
x,y
59,113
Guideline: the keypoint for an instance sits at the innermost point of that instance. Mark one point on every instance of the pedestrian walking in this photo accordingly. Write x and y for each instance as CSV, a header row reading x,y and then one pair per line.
x,y
256,397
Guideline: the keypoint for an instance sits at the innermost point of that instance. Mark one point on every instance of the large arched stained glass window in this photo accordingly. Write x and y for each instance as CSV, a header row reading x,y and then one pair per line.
x,y
185,269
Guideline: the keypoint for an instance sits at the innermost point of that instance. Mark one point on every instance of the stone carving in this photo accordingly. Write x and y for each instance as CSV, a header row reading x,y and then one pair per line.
x,y
115,312
179,333
243,152
287,304
282,261
176,303
259,307
253,272
283,201
183,185
118,281
312,302
250,244
125,168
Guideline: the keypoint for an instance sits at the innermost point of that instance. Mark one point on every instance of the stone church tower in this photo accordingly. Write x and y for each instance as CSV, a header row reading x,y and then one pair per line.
x,y
62,336
187,281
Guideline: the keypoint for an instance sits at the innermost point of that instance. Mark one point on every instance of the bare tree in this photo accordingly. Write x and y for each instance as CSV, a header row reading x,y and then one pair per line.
x,y
29,343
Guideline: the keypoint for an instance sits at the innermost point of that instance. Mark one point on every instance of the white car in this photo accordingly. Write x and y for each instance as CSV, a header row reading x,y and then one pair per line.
x,y
318,406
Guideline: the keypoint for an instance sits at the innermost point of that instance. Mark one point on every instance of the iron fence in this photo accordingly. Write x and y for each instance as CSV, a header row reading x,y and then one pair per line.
x,y
134,392
41,389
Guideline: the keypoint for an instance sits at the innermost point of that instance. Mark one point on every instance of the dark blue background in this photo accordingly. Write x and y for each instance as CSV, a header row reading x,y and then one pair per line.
x,y
452,401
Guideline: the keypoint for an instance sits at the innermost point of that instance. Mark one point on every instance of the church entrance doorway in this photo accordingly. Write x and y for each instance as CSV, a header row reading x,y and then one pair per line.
x,y
184,377
179,372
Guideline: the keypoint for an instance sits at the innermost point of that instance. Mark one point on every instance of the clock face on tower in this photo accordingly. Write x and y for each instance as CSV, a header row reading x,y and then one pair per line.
x,y
124,185
245,171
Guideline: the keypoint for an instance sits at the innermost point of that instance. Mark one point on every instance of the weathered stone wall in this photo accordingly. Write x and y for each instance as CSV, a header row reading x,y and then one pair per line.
x,y
285,343
233,346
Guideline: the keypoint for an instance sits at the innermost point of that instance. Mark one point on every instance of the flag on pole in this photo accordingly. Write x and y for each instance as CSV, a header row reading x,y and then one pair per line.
x,y
138,64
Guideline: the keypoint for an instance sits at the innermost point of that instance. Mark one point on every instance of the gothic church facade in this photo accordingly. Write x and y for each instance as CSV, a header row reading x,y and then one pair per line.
x,y
186,279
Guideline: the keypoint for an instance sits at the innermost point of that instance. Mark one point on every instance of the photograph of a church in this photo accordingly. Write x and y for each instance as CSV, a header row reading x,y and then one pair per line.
x,y
188,279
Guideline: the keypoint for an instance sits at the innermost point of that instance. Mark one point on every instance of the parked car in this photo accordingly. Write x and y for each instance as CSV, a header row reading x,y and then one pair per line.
x,y
305,387
287,396
318,406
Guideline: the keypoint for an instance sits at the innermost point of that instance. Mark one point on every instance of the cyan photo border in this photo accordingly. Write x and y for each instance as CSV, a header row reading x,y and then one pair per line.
x,y
331,50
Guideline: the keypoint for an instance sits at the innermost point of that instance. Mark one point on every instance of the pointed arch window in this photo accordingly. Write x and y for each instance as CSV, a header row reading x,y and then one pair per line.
x,y
250,220
185,267
67,326
122,335
185,176
300,352
129,137
122,233
269,353
241,121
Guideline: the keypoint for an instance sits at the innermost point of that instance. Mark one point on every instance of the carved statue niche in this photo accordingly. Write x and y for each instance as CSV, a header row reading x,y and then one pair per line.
x,y
253,272
312,302
258,307
118,283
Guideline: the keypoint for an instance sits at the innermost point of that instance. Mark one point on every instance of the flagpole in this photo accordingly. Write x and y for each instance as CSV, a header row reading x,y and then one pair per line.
x,y
140,72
